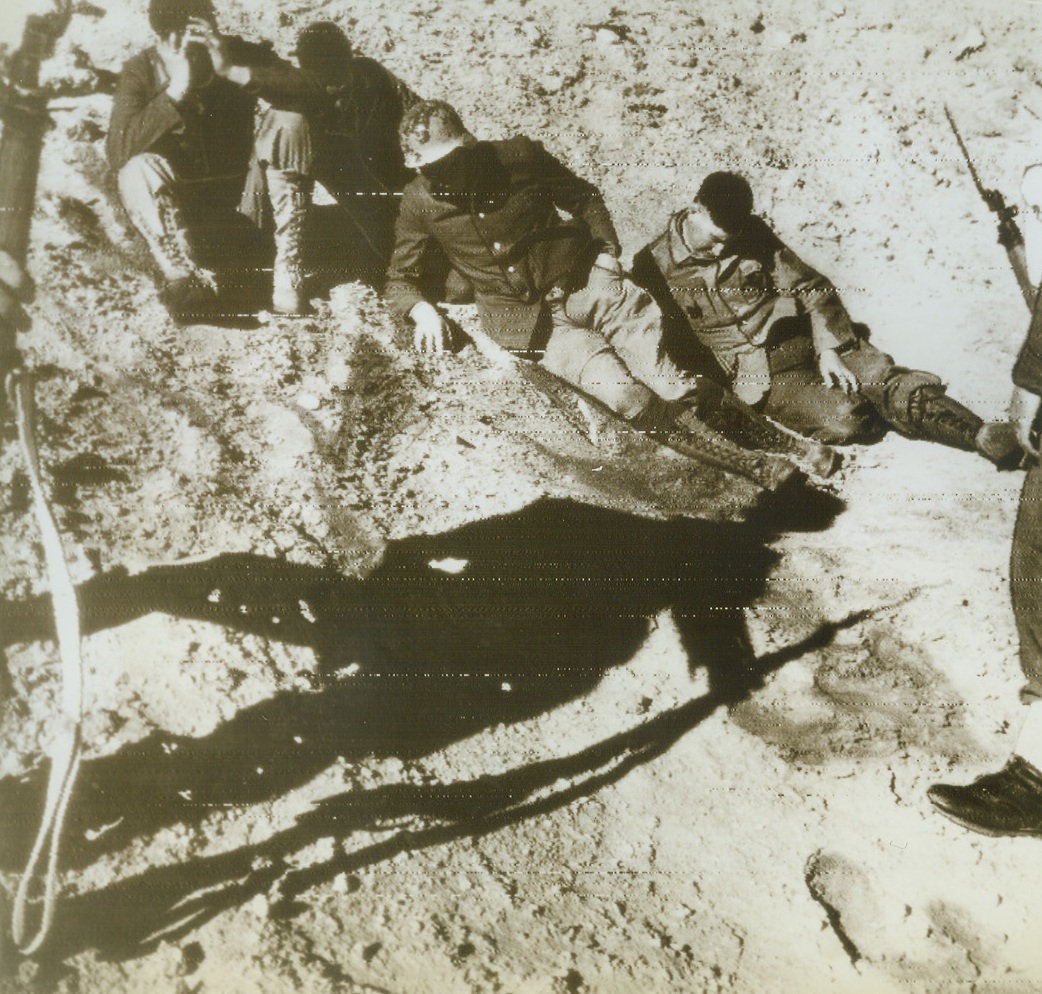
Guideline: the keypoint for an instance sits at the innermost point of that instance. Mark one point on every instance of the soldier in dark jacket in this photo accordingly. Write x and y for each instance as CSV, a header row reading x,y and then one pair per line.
x,y
545,286
202,124
358,158
743,303
1009,802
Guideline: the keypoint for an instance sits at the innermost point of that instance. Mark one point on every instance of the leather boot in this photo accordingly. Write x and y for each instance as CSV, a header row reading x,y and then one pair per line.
x,y
690,435
189,292
939,418
1005,803
722,411
290,194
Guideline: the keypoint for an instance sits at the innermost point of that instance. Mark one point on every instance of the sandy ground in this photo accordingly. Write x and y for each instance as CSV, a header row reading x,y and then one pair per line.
x,y
396,683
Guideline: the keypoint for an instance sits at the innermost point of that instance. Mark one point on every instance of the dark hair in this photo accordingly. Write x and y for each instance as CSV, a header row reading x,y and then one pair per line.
x,y
322,44
417,120
728,198
169,17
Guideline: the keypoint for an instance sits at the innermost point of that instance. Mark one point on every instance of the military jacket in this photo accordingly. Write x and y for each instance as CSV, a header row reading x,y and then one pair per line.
x,y
210,133
514,247
733,302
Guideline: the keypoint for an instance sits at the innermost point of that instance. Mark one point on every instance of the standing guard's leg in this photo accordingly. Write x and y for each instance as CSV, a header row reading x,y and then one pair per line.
x,y
1009,802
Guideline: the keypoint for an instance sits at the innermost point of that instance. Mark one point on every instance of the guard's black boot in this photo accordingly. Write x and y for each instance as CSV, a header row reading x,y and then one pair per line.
x,y
1005,803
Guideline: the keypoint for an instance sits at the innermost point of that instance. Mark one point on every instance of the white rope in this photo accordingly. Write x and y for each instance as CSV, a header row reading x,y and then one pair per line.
x,y
65,749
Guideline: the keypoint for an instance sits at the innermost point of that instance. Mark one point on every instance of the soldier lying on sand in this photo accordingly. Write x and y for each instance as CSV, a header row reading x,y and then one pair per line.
x,y
741,301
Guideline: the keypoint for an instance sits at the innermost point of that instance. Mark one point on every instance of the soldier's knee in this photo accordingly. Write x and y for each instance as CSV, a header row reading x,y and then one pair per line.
x,y
904,392
848,419
142,177
282,140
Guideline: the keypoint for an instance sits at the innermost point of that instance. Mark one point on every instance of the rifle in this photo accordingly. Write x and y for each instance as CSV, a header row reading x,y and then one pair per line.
x,y
1010,237
23,108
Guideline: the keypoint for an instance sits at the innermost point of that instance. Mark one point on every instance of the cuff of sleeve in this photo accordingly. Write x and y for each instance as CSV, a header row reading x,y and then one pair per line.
x,y
1027,372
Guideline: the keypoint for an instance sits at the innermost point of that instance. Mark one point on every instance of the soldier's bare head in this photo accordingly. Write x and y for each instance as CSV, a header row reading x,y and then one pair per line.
x,y
324,49
171,17
429,131
722,207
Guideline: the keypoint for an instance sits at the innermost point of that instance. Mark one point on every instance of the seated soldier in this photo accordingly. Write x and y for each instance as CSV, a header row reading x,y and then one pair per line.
x,y
545,287
743,305
358,159
203,125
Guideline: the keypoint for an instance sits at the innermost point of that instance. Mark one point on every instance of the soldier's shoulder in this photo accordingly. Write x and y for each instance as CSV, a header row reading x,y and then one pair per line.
x,y
759,237
519,148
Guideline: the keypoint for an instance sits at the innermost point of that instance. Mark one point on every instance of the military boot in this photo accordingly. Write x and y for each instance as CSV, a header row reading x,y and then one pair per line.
x,y
189,292
936,417
690,435
1008,802
722,411
290,194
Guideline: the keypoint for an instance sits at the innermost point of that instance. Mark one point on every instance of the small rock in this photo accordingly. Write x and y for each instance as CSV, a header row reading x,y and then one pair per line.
x,y
308,401
606,38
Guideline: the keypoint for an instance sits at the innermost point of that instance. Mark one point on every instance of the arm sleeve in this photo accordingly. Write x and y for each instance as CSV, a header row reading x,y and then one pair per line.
x,y
579,198
405,272
815,296
140,118
1027,372
274,79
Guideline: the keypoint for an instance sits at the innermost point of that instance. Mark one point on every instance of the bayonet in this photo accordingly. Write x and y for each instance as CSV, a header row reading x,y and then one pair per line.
x,y
1010,237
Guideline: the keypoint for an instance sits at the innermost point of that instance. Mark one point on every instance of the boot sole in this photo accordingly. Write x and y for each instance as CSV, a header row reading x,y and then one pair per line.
x,y
990,832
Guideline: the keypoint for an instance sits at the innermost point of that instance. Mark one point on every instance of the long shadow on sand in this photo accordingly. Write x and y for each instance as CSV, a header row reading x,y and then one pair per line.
x,y
545,600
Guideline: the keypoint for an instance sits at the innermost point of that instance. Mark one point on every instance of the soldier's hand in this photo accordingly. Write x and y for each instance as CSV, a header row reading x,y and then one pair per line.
x,y
429,334
1024,415
207,35
835,372
178,69
14,278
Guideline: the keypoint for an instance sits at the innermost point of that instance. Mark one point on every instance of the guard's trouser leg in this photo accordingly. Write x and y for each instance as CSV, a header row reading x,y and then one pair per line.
x,y
1025,577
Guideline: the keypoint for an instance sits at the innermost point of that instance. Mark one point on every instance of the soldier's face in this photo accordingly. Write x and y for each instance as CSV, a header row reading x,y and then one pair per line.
x,y
701,235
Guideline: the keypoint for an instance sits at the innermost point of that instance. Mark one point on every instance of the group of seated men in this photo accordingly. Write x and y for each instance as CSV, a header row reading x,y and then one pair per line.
x,y
218,142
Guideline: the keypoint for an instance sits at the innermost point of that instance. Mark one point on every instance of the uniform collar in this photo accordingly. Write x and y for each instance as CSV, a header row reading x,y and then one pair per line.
x,y
679,249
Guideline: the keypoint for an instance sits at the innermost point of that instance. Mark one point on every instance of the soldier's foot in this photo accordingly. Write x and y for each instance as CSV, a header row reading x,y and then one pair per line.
x,y
1005,803
820,460
997,442
190,299
775,473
